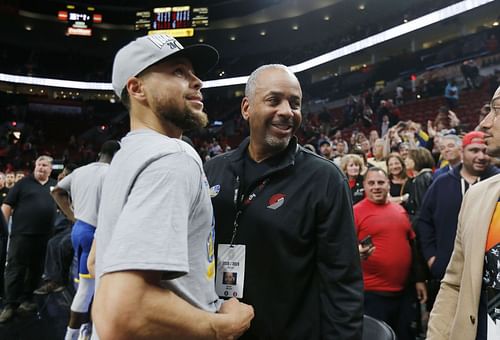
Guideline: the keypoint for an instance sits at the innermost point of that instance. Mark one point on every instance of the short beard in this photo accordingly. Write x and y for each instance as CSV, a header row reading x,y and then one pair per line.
x,y
277,144
185,119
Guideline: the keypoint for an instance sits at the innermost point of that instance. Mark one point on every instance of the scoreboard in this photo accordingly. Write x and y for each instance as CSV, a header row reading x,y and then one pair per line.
x,y
165,18
178,21
79,21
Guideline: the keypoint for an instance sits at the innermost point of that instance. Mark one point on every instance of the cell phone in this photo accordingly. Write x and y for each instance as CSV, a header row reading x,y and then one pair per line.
x,y
367,241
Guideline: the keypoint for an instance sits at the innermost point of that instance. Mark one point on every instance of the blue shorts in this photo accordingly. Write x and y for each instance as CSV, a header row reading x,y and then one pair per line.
x,y
82,236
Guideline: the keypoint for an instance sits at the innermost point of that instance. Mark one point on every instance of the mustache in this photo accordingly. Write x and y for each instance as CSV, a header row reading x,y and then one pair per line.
x,y
283,121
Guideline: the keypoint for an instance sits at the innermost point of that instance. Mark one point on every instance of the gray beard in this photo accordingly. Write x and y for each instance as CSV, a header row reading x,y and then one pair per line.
x,y
277,143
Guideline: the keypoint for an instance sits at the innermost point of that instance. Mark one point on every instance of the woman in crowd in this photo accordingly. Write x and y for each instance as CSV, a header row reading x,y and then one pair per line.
x,y
353,166
423,162
398,178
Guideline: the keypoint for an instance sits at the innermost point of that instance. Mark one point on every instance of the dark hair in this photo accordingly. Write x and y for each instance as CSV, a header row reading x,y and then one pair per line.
x,y
422,158
109,148
400,160
375,169
125,99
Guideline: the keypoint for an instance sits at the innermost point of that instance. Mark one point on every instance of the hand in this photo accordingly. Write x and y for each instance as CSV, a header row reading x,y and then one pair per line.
x,y
238,316
421,292
364,252
430,261
454,121
430,129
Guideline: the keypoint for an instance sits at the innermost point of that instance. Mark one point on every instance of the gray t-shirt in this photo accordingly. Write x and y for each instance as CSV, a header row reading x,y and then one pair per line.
x,y
156,214
85,185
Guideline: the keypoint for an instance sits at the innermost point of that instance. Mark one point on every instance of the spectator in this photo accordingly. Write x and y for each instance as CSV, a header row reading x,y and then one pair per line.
x,y
398,179
389,263
451,154
451,94
33,211
352,166
59,253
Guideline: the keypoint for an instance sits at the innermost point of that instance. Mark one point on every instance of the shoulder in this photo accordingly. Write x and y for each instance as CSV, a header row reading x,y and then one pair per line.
x,y
314,163
219,161
361,206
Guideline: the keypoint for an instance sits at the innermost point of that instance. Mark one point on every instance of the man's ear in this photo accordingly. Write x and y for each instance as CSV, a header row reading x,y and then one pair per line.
x,y
245,104
135,88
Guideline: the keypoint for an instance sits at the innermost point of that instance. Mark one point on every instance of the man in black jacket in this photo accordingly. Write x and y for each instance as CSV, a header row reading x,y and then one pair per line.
x,y
290,212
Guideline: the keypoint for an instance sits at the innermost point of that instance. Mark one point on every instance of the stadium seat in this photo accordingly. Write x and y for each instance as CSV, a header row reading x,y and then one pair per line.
x,y
374,329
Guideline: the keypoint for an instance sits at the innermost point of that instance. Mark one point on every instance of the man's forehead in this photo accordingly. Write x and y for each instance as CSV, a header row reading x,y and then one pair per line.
x,y
476,145
375,176
495,101
277,80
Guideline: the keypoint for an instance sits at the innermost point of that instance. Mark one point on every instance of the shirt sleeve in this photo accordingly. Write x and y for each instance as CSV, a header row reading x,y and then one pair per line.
x,y
65,183
339,267
13,195
152,230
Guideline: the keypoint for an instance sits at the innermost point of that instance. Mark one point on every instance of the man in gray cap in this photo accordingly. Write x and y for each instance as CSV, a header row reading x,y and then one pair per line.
x,y
155,263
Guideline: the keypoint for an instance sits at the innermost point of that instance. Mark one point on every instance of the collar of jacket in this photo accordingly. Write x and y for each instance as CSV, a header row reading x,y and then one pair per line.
x,y
237,157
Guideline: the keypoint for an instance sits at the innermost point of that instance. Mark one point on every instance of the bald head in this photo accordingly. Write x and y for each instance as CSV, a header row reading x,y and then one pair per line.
x,y
254,77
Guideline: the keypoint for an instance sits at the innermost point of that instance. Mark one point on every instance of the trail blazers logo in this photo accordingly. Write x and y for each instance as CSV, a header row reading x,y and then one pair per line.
x,y
276,201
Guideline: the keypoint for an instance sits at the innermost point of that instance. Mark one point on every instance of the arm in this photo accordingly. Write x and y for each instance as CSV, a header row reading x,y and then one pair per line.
x,y
419,272
387,143
132,305
6,211
62,199
338,263
425,227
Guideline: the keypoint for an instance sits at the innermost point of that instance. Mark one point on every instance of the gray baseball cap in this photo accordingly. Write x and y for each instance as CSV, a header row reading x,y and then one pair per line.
x,y
145,51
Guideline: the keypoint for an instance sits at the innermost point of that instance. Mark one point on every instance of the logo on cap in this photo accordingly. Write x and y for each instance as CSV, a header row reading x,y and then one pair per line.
x,y
161,40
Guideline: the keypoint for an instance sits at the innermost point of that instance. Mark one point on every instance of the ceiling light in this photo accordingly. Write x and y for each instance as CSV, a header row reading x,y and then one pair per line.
x,y
201,40
361,7
326,17
28,28
295,27
104,38
263,33
232,38
495,23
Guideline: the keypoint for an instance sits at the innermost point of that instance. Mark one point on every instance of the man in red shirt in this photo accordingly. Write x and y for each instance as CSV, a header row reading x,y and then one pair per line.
x,y
387,248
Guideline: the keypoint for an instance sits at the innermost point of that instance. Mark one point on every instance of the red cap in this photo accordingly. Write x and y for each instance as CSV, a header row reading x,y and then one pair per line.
x,y
476,137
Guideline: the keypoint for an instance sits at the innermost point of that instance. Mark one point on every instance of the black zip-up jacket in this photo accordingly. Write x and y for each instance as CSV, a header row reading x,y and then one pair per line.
x,y
303,275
